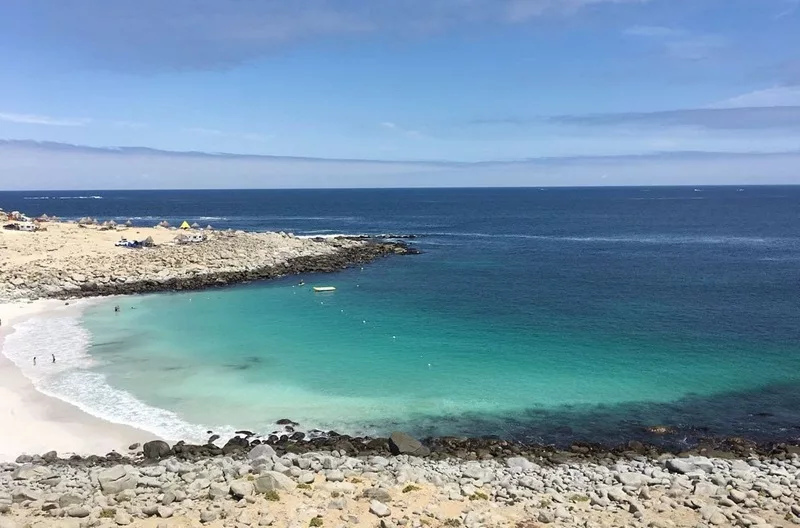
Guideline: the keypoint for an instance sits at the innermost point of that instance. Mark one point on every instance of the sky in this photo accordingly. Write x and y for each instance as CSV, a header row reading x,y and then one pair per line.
x,y
101,94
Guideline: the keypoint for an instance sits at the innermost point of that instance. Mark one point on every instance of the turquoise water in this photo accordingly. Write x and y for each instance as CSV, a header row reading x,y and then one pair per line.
x,y
578,314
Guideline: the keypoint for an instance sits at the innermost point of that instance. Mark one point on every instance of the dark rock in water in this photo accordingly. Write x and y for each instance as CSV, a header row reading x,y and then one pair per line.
x,y
213,438
134,447
286,421
50,456
660,429
245,433
403,444
156,450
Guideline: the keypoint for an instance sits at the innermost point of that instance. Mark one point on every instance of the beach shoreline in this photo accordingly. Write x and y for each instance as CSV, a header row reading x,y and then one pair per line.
x,y
35,423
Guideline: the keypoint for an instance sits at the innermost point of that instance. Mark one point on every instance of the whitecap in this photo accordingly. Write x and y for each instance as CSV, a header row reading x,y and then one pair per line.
x,y
71,379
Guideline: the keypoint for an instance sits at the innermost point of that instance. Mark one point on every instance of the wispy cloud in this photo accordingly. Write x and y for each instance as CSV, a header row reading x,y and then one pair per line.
x,y
740,118
154,35
652,31
389,125
775,96
730,117
55,162
201,130
31,119
678,43
129,124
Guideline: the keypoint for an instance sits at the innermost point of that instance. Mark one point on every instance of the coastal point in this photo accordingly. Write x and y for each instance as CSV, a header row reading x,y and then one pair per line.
x,y
62,259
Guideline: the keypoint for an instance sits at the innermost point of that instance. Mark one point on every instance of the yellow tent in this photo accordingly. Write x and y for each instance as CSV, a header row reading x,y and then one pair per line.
x,y
185,225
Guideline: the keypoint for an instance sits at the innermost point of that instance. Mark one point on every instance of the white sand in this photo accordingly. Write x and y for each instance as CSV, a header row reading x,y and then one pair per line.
x,y
33,423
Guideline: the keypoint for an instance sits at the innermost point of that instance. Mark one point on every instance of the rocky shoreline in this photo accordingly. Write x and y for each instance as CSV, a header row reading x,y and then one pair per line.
x,y
400,482
68,261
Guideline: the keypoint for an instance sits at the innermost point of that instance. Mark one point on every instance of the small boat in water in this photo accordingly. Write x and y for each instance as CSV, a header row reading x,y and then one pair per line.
x,y
324,288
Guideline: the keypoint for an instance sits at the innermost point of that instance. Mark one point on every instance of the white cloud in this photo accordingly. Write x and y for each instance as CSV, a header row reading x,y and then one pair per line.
x,y
652,31
769,97
31,119
158,35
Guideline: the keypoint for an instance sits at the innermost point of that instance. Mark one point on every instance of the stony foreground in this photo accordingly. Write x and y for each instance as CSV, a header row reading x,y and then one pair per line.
x,y
263,488
68,260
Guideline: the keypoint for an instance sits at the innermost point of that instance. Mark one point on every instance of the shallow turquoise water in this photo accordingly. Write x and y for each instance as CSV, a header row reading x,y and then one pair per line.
x,y
540,316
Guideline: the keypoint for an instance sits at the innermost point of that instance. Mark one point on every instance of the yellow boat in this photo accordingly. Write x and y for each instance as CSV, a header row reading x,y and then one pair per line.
x,y
324,288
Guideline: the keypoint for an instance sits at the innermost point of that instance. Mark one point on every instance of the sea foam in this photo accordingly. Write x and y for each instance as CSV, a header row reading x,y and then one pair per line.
x,y
71,379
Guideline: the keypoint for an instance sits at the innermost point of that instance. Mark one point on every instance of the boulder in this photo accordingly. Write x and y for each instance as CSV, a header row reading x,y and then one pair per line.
x,y
117,479
379,509
241,488
274,481
156,450
378,494
404,444
261,451
31,472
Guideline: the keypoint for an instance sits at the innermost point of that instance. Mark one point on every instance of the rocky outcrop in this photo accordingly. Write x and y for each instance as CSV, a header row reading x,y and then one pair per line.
x,y
225,258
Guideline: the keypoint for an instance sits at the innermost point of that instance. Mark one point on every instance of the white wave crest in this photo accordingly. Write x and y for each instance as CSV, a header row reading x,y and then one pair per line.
x,y
94,197
71,380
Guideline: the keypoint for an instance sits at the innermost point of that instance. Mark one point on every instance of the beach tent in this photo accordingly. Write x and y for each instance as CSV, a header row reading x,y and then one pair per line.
x,y
185,225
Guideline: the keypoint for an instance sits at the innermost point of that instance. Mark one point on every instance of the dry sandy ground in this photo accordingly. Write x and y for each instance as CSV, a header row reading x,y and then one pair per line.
x,y
63,240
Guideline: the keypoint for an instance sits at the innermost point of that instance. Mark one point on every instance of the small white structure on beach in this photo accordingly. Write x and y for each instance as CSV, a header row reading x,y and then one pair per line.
x,y
190,238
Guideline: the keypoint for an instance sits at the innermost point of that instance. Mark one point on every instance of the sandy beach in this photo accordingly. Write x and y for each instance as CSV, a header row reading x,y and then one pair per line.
x,y
35,423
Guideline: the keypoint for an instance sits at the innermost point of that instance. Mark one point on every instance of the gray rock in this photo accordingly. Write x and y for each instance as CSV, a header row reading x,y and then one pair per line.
x,y
122,518
274,481
706,489
168,498
69,499
241,488
261,451
403,444
78,511
680,465
378,494
334,475
218,490
32,473
208,516
546,517
633,480
116,479
379,509
156,450
521,463
338,504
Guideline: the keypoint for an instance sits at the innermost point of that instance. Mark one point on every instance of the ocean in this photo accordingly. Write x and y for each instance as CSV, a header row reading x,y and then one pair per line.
x,y
539,315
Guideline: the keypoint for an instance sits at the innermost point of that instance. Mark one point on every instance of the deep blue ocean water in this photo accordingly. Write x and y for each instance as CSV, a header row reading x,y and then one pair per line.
x,y
539,315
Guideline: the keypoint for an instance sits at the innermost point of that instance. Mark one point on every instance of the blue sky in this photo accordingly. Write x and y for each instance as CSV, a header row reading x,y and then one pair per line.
x,y
588,82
